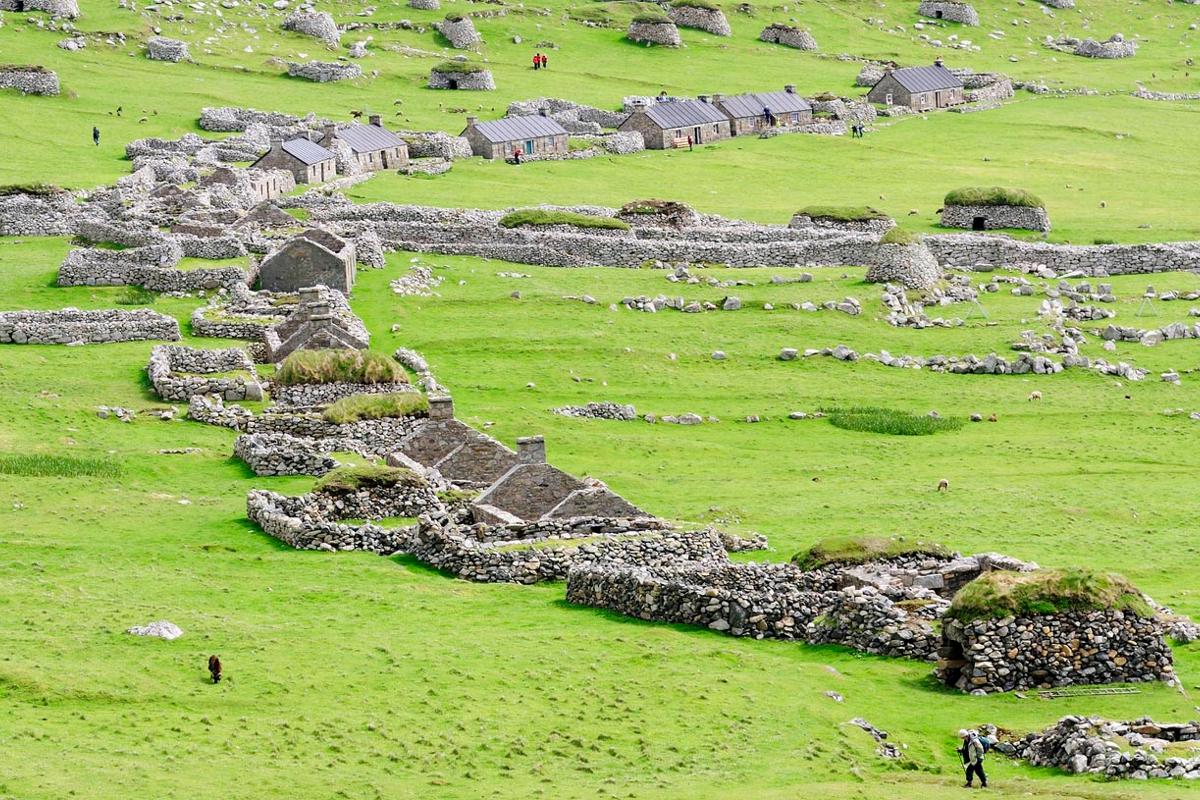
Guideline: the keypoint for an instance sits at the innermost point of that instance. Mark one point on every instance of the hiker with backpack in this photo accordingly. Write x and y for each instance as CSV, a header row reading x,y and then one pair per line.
x,y
974,748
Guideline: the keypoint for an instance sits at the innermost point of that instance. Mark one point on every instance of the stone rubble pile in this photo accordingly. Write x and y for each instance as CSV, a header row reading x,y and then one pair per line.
x,y
603,410
1114,750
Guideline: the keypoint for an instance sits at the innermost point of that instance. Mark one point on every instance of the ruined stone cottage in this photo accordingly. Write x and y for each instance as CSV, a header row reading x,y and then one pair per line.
x,y
371,147
534,135
752,113
322,320
668,124
308,161
310,258
919,88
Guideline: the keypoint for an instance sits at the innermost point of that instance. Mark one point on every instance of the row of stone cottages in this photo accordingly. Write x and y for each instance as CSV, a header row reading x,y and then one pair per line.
x,y
662,125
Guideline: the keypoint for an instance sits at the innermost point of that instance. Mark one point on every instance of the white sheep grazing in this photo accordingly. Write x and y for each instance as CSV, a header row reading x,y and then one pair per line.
x,y
943,485
1035,395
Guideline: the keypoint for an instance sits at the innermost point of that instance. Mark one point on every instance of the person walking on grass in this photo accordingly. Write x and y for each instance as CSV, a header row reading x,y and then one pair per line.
x,y
972,752
690,143
544,61
95,136
537,61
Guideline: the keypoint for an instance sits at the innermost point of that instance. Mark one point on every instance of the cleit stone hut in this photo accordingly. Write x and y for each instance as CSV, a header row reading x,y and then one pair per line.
x,y
461,75
316,324
371,147
670,124
752,113
919,88
949,10
308,161
653,29
789,36
312,257
985,208
68,9
533,136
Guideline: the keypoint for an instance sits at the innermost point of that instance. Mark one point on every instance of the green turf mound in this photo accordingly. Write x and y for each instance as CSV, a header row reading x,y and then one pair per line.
x,y
704,4
993,196
1046,591
861,549
651,19
35,189
461,67
339,366
869,419
538,216
366,476
842,213
900,236
358,407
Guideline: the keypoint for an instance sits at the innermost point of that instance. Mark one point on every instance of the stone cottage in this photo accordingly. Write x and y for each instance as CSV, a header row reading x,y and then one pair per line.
x,y
308,161
321,321
311,258
372,147
668,124
919,88
533,136
751,113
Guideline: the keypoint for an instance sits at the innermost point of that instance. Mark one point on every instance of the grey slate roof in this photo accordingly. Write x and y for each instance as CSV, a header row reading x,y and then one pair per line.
x,y
307,152
683,113
752,105
368,138
926,79
510,129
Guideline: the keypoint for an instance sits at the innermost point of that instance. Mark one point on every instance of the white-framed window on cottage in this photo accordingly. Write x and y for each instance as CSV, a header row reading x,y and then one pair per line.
x,y
888,98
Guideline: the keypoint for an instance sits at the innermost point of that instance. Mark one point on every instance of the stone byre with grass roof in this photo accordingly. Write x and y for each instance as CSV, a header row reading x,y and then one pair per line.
x,y
919,88
67,9
459,31
1048,628
949,10
699,14
313,257
461,75
670,124
533,137
653,29
985,208
789,36
162,48
324,71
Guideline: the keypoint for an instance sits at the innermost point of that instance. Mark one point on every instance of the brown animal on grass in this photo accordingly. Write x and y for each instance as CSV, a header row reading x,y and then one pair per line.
x,y
943,485
214,668
1035,395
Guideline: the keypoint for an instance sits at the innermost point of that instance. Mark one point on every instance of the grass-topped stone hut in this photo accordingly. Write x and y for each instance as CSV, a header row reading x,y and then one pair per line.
x,y
788,35
1050,627
856,219
462,75
699,14
459,31
902,257
28,79
659,214
985,208
653,29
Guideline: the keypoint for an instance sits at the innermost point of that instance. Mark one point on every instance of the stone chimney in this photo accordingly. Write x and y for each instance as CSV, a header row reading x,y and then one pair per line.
x,y
309,295
790,88
531,450
718,98
441,407
376,120
471,120
276,144
330,132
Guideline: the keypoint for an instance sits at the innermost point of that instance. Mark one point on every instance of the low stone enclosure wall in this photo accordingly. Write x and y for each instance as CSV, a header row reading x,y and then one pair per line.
x,y
51,213
311,395
1113,750
367,436
152,267
281,454
28,79
998,655
705,19
179,373
72,326
714,239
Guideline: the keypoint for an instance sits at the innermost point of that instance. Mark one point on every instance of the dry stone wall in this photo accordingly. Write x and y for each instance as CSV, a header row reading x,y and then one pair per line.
x,y
23,214
281,454
996,217
778,33
308,395
29,80
1112,750
662,33
705,19
72,326
178,373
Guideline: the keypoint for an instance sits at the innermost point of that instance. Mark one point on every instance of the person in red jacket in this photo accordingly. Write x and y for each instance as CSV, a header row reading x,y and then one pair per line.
x,y
537,60
543,61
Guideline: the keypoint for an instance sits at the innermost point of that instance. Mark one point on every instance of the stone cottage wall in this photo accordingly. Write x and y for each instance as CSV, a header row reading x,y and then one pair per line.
x,y
70,326
151,267
307,395
996,217
950,11
280,454
480,81
912,266
324,71
999,655
39,215
309,522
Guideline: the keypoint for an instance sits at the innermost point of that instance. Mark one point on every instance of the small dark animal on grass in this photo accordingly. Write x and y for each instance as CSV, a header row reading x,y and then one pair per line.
x,y
214,668
943,485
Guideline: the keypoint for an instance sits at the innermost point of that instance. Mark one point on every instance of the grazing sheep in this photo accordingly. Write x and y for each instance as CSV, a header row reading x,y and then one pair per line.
x,y
992,418
943,485
1035,395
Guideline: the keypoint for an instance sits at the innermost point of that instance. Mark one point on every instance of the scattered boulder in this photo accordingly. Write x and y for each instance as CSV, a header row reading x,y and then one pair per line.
x,y
161,629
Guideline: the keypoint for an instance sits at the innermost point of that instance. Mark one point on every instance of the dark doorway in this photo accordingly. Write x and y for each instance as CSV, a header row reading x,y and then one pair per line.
x,y
978,224
938,14
453,83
